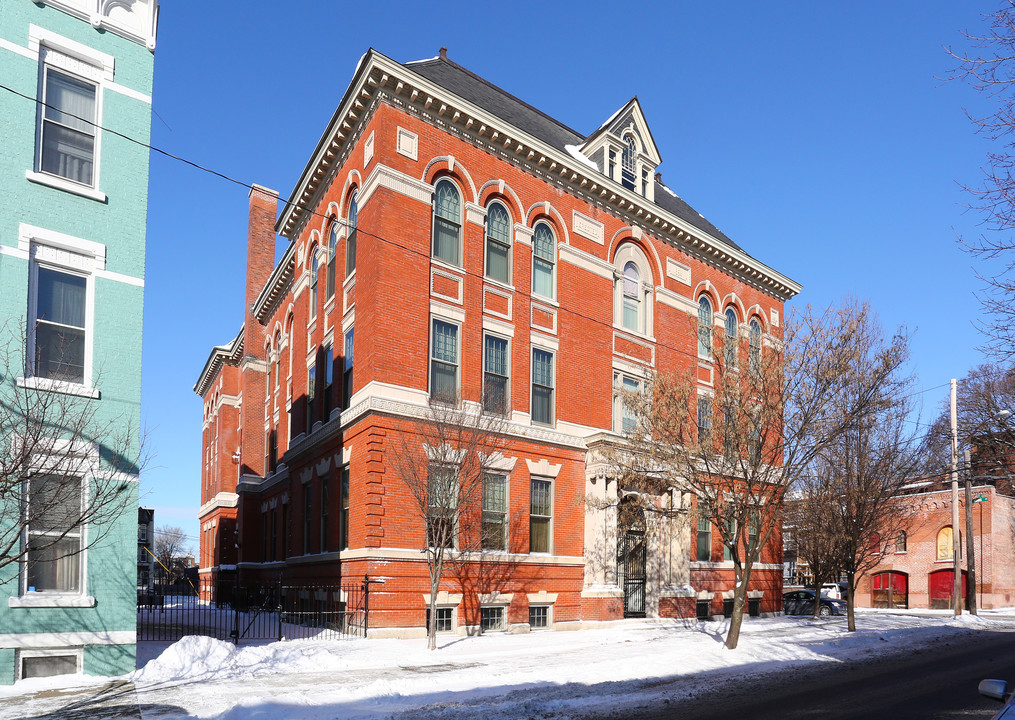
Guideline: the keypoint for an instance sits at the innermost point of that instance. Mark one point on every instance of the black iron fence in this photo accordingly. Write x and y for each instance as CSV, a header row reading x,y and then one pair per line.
x,y
256,612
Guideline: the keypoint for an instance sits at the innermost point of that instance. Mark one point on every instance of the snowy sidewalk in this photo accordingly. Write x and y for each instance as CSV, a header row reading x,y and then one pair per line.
x,y
548,674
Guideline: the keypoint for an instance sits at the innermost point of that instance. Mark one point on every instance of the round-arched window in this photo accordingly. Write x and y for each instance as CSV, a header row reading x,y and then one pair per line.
x,y
704,327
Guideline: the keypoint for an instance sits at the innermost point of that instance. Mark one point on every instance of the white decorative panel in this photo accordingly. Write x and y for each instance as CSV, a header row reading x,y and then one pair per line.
x,y
588,228
678,271
408,144
774,315
368,150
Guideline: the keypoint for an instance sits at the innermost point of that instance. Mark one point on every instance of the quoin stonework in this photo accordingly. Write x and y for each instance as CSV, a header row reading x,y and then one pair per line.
x,y
449,242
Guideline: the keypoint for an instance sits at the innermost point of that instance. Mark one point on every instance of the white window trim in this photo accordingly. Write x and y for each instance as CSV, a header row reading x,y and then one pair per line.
x,y
553,489
68,254
458,352
510,246
461,226
553,272
506,474
80,597
88,65
629,252
76,652
618,385
532,383
507,393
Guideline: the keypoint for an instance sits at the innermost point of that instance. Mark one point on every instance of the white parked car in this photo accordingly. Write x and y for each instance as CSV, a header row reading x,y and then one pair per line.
x,y
834,591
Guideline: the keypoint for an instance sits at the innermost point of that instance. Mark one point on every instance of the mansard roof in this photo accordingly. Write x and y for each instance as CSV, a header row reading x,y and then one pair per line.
x,y
441,90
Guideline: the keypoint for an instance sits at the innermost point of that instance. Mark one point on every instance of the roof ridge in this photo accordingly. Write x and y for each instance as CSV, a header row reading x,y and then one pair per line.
x,y
445,59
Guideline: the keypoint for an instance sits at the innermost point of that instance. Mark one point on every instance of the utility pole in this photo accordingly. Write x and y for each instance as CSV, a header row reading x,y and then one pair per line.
x,y
970,547
956,546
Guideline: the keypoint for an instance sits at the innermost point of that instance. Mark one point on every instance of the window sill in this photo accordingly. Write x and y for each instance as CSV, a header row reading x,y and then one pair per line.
x,y
536,297
636,334
55,181
51,600
444,264
500,284
58,386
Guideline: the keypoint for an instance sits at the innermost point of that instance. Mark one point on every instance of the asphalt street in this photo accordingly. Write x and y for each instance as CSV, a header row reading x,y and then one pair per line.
x,y
930,683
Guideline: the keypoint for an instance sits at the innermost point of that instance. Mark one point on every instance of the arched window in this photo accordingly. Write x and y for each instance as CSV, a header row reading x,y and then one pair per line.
x,y
632,297
755,345
704,327
314,266
350,243
628,166
544,256
277,358
447,225
498,243
332,245
731,337
900,542
945,548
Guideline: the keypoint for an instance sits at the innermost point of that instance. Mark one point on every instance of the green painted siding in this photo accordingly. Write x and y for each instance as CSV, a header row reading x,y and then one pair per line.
x,y
118,224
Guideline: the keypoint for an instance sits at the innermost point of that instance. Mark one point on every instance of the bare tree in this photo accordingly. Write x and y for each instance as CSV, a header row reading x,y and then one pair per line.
x,y
170,546
813,518
985,403
774,407
447,461
989,68
64,466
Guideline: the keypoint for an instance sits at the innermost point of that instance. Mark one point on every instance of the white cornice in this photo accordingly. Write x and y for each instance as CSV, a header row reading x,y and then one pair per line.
x,y
380,78
220,355
137,21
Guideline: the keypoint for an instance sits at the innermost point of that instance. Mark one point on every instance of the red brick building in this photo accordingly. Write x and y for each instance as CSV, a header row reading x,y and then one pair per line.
x,y
445,237
919,571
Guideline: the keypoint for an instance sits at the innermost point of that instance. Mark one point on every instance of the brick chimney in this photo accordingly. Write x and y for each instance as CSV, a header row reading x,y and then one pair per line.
x,y
254,366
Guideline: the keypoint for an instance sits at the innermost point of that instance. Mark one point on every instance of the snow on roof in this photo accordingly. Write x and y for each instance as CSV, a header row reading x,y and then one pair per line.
x,y
574,152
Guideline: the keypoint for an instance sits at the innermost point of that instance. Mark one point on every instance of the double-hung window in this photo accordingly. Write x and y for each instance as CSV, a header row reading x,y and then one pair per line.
x,y
447,222
494,530
498,243
442,504
544,256
311,391
332,250
444,362
704,327
542,386
540,515
731,338
343,515
308,501
347,370
625,417
68,130
705,422
704,538
54,534
314,266
495,375
60,337
329,377
350,243
754,349
632,299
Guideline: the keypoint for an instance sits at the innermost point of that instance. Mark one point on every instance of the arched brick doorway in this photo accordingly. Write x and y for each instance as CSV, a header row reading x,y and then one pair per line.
x,y
890,590
940,584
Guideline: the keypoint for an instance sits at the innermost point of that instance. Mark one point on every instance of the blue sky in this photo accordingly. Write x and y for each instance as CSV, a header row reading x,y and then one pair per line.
x,y
818,136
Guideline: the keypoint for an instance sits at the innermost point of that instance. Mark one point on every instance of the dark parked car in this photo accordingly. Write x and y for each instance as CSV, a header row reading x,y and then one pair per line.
x,y
998,690
801,602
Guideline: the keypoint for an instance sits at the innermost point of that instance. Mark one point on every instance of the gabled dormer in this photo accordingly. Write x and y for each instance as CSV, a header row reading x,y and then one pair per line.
x,y
624,150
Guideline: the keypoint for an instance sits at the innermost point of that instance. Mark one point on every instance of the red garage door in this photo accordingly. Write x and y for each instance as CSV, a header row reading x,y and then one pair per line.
x,y
940,585
890,590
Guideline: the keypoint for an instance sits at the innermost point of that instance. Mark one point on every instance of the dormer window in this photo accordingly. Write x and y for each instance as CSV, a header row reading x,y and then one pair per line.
x,y
628,163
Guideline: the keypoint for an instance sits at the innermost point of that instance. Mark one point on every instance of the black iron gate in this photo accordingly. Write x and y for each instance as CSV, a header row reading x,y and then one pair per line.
x,y
631,571
256,612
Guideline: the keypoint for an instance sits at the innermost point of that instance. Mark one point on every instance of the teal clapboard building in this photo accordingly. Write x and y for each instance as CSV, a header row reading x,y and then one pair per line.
x,y
76,77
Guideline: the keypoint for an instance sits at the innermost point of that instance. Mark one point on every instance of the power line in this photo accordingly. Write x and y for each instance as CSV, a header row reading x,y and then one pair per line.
x,y
337,220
